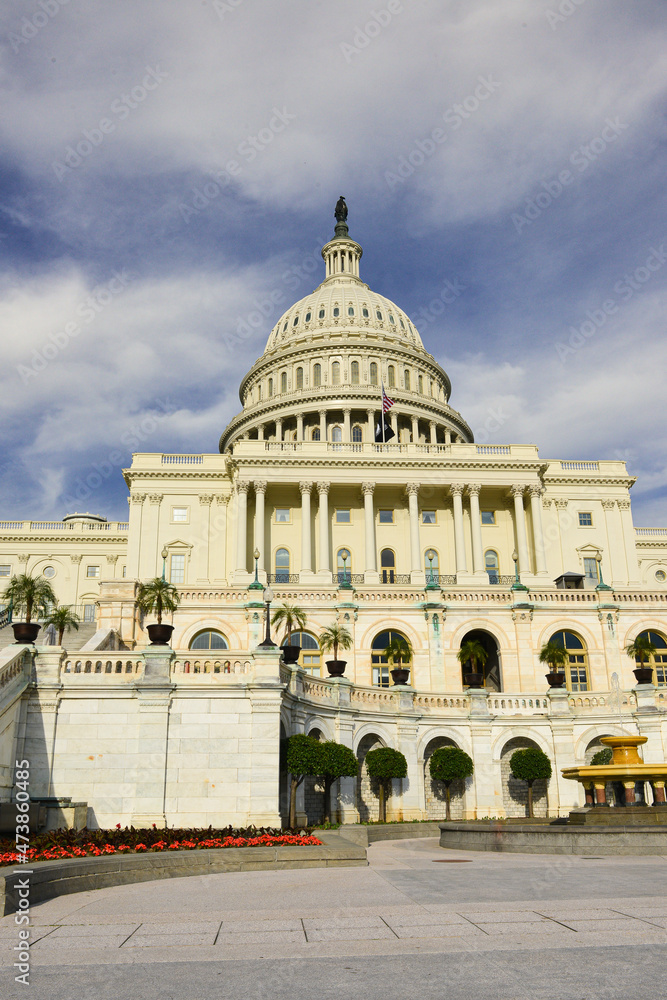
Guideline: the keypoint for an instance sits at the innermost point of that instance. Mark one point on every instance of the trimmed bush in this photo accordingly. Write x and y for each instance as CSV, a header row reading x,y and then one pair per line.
x,y
301,756
385,764
336,761
449,764
602,757
529,765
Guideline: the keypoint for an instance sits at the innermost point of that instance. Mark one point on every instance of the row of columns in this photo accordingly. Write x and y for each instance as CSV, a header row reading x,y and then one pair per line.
x,y
457,491
371,419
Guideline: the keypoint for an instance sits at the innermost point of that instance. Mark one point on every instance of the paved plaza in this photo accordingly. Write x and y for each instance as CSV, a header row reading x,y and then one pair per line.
x,y
420,921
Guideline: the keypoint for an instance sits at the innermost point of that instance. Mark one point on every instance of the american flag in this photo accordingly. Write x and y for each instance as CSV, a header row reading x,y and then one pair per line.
x,y
387,403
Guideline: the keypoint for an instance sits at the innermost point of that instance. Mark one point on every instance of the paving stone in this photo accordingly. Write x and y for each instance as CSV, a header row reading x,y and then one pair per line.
x,y
260,937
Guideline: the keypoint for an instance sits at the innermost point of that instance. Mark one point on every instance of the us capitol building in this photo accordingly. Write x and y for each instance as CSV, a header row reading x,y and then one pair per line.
x,y
424,534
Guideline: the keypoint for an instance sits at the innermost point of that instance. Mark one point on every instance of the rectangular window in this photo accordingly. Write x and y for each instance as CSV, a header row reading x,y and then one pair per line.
x,y
124,571
93,572
428,517
488,517
591,570
585,519
381,677
5,570
343,516
177,569
386,517
179,514
283,515
89,612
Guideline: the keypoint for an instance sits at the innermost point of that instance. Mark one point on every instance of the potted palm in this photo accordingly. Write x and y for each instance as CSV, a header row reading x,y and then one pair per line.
x,y
399,651
158,595
473,652
63,620
642,649
556,657
29,594
333,637
292,619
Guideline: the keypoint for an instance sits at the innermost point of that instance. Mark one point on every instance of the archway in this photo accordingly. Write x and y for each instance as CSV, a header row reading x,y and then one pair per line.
x,y
434,791
515,793
491,669
313,791
368,803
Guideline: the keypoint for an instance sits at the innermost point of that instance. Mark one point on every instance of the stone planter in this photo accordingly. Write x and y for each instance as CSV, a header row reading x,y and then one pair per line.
x,y
400,675
644,675
474,680
159,635
290,654
555,679
25,631
336,668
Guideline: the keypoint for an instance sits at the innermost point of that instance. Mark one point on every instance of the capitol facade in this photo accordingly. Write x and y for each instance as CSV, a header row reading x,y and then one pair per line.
x,y
408,529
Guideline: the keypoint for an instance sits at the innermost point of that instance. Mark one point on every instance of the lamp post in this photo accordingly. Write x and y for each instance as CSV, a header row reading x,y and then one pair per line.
x,y
345,555
256,585
268,642
164,555
601,584
431,554
517,585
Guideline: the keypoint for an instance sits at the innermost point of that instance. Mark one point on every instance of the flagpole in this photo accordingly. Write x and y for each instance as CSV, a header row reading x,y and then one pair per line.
x,y
382,412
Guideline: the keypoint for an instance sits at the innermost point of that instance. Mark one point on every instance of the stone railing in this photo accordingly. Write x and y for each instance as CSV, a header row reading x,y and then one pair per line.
x,y
602,703
33,526
127,668
440,704
200,662
13,662
651,532
503,704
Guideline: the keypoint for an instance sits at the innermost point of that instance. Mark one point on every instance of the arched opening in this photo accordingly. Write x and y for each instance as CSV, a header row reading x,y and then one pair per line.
x,y
317,375
316,434
491,565
490,669
281,566
209,640
299,378
283,785
270,391
313,791
335,373
388,566
357,434
576,670
354,373
434,791
391,376
379,662
283,382
406,378
657,660
310,656
368,803
614,790
373,373
336,434
515,793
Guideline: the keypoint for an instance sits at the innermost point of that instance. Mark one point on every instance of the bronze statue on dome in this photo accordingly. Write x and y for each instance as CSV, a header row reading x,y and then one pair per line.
x,y
340,212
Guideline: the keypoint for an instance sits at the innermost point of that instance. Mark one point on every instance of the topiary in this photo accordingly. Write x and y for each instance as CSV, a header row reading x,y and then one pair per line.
x,y
529,765
385,764
300,756
449,764
602,757
336,761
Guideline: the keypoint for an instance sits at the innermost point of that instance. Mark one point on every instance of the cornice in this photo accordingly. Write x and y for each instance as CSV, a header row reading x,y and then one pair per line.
x,y
293,459
584,480
64,537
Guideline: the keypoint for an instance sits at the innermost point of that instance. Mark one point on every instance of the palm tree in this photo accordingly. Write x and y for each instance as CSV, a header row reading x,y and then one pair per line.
x,y
333,637
554,656
158,595
292,618
30,593
399,650
641,649
472,651
64,620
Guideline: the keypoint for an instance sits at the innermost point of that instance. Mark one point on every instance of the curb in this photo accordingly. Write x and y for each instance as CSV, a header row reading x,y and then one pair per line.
x,y
534,839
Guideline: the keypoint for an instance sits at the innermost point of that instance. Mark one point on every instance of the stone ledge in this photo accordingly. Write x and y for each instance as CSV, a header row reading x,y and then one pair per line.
x,y
363,834
59,878
554,839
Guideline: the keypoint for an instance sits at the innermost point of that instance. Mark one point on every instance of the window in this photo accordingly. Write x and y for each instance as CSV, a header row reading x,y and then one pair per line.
x,y
320,314
391,376
392,320
310,657
317,376
585,519
308,317
282,566
316,434
357,434
336,312
49,572
285,326
406,379
374,373
283,382
660,575
89,612
365,313
343,515
657,660
299,378
270,387
283,515
491,566
350,310
380,663
335,373
177,569
179,514
428,517
296,320
5,570
209,640
259,392
402,323
93,572
124,571
336,434
488,517
591,570
388,566
354,373
420,384
576,672
386,516
378,314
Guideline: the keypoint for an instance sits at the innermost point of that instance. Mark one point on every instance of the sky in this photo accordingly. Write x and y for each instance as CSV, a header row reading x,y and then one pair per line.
x,y
169,170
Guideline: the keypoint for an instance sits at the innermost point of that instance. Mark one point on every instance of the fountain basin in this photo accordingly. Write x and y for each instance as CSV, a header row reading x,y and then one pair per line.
x,y
626,766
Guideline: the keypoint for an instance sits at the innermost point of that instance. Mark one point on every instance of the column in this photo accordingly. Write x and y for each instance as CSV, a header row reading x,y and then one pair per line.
x,y
456,489
299,426
347,433
306,555
370,414
538,533
393,418
324,564
279,429
260,493
204,539
241,526
412,489
476,528
434,431
521,536
616,574
219,564
415,430
448,436
369,529
152,554
629,538
134,534
260,432
323,425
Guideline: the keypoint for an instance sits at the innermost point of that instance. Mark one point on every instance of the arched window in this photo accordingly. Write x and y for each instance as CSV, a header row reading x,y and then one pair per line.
x,y
299,378
491,565
335,373
391,376
336,312
317,375
282,566
357,434
209,640
388,565
283,382
316,434
364,312
576,671
374,373
379,661
420,384
406,378
309,316
320,314
296,320
344,568
270,387
392,320
657,660
259,391
354,373
432,567
378,314
336,434
310,657
350,310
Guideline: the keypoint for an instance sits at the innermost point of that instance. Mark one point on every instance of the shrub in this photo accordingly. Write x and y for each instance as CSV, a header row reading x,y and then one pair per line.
x,y
529,765
449,764
336,761
301,756
602,757
385,764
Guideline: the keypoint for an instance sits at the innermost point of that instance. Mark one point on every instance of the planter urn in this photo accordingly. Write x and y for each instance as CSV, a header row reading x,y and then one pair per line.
x,y
474,679
25,631
159,635
336,668
400,675
290,654
556,679
644,675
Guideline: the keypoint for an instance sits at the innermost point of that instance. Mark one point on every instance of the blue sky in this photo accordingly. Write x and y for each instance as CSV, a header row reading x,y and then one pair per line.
x,y
166,166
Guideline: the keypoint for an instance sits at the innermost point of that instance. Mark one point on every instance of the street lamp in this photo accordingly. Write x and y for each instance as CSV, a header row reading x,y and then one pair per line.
x,y
431,554
268,642
601,584
517,585
164,555
256,585
345,555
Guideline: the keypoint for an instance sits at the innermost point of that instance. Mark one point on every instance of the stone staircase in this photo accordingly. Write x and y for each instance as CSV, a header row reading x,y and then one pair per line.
x,y
72,641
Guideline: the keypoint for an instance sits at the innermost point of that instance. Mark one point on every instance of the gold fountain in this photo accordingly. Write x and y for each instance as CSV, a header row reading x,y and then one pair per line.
x,y
628,767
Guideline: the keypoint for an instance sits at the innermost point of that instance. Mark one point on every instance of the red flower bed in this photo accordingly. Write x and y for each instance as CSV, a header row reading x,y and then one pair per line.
x,y
96,843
